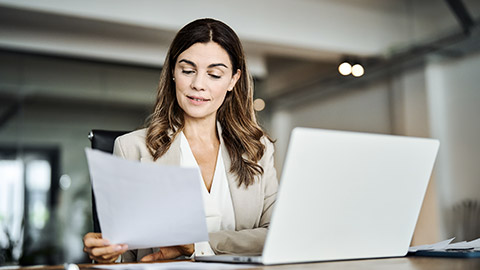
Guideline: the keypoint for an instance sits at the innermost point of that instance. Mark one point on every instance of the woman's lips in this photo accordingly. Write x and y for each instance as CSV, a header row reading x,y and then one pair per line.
x,y
198,99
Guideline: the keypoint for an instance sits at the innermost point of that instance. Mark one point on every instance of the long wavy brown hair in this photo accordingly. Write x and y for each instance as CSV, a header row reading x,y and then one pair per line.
x,y
240,130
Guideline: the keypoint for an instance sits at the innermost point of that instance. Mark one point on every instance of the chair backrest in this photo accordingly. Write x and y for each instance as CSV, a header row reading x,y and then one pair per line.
x,y
102,140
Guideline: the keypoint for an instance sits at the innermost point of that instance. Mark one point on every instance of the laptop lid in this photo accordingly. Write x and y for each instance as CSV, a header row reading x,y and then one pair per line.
x,y
348,195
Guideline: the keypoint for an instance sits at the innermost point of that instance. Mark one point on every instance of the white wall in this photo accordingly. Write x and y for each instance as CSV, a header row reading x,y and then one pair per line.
x,y
454,100
360,109
410,117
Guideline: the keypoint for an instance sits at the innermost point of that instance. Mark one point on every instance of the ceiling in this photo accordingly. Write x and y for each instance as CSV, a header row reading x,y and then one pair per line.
x,y
313,30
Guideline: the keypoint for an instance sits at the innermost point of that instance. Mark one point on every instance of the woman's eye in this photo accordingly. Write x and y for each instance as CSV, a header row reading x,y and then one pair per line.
x,y
215,76
187,71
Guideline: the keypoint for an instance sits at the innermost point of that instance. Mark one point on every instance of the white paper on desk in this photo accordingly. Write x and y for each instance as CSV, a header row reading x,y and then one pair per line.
x,y
475,243
182,265
440,245
145,204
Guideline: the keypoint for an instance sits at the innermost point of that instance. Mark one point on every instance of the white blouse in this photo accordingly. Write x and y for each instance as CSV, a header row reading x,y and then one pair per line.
x,y
217,203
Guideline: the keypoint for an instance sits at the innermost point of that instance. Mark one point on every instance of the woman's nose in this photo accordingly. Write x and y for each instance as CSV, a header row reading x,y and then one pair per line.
x,y
198,82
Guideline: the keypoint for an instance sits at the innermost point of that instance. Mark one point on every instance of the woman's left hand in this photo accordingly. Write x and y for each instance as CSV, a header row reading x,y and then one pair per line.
x,y
167,253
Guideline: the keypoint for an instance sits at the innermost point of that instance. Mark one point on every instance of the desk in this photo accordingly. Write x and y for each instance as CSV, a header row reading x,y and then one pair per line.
x,y
406,263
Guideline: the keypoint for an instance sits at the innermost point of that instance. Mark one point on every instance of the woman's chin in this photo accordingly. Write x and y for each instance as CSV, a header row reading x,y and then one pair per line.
x,y
199,115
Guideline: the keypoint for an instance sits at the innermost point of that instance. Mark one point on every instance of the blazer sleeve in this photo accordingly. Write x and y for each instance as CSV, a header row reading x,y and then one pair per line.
x,y
117,149
251,241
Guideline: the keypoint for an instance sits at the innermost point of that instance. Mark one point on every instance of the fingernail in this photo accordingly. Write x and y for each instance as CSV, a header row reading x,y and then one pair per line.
x,y
118,248
106,242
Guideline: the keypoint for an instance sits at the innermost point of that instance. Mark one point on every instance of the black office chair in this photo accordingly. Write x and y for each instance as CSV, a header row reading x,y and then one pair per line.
x,y
102,140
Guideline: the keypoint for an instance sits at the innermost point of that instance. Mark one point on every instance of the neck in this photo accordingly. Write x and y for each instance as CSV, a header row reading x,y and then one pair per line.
x,y
201,129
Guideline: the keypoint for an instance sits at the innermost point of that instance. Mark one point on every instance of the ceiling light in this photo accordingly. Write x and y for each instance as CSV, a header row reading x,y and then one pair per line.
x,y
357,70
345,68
258,104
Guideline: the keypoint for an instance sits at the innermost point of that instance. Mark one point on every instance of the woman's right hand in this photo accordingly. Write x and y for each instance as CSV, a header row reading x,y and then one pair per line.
x,y
100,250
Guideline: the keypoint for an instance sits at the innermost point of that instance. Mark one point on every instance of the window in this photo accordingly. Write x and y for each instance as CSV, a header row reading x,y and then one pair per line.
x,y
28,193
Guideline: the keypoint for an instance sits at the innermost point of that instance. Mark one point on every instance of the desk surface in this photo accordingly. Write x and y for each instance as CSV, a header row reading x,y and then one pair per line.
x,y
407,263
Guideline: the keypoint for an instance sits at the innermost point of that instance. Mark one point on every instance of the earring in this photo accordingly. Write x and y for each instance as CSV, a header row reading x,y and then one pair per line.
x,y
173,78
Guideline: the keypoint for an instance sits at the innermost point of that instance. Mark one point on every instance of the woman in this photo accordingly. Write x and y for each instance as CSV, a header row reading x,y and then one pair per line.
x,y
204,117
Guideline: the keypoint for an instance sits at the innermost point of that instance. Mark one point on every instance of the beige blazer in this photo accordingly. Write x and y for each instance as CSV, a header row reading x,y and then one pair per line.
x,y
252,206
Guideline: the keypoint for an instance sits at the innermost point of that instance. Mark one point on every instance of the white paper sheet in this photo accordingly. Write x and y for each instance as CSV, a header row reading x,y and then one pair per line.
x,y
145,204
440,245
175,265
446,244
475,243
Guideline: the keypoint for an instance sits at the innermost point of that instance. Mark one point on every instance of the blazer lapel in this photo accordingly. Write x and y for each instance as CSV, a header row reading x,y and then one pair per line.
x,y
171,157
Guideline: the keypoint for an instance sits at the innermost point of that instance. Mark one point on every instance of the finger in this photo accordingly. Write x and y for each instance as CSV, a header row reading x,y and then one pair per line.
x,y
100,259
110,257
157,256
120,250
106,259
91,243
151,257
94,241
108,250
187,250
164,253
92,235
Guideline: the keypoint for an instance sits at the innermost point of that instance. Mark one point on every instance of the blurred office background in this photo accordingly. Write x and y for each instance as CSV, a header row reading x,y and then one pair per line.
x,y
67,67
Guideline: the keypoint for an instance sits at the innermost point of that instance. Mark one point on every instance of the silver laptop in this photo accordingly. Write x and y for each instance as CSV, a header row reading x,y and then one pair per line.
x,y
345,195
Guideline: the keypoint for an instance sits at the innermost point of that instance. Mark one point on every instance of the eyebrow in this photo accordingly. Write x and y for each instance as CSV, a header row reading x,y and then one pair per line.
x,y
209,66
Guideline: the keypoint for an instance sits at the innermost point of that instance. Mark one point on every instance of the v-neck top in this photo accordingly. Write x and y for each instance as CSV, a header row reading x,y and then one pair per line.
x,y
218,202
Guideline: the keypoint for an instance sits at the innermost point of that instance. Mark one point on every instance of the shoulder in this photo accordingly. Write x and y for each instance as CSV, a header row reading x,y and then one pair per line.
x,y
269,149
132,145
268,179
268,144
133,136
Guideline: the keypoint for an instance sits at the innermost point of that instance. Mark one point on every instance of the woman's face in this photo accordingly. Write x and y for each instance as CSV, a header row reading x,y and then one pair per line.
x,y
203,75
